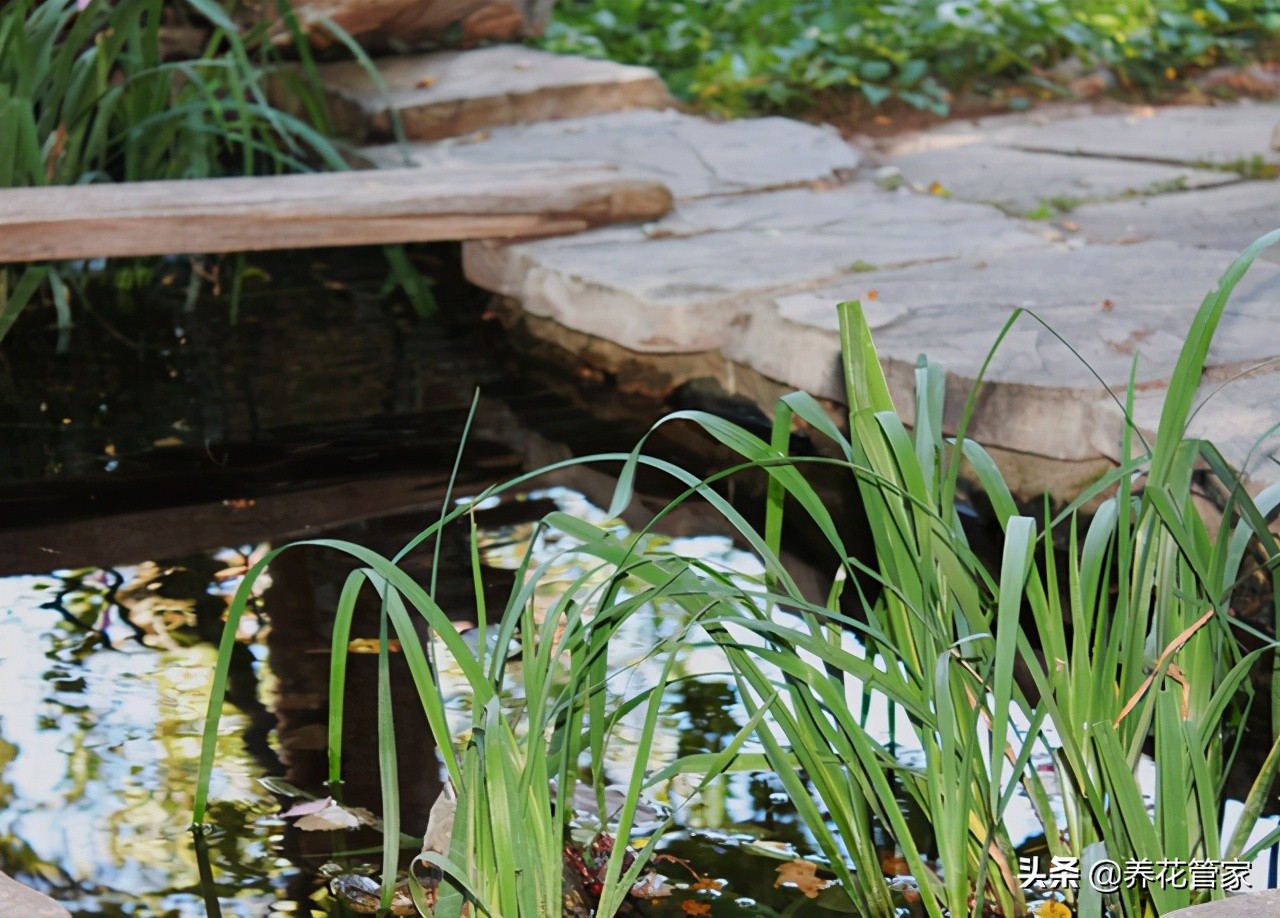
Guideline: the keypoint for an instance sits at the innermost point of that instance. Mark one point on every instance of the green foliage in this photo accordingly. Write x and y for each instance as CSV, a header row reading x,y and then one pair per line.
x,y
737,56
86,96
1129,647
1128,644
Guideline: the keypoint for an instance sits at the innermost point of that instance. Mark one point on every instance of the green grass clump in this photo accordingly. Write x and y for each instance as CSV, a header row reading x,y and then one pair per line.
x,y
740,56
86,95
1128,643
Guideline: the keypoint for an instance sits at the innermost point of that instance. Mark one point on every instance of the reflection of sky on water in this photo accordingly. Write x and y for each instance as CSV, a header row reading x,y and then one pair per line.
x,y
98,757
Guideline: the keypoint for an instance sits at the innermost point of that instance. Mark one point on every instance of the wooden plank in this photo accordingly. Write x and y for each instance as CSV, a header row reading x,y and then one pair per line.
x,y
321,209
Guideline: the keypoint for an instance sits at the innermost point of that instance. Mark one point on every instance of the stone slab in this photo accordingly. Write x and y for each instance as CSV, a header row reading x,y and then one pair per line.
x,y
1236,411
1109,303
694,157
1019,182
18,901
1264,904
1222,218
452,93
685,283
1222,135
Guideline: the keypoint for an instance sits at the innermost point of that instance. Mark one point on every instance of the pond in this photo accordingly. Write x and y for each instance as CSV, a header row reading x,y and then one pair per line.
x,y
150,457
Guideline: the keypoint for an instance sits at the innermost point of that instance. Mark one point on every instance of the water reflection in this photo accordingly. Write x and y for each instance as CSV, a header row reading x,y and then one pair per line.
x,y
99,740
104,676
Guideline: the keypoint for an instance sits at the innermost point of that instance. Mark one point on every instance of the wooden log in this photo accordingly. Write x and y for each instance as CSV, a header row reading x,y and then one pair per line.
x,y
320,209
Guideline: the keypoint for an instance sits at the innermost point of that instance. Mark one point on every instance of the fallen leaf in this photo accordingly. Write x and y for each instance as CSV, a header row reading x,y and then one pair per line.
x,y
652,885
1107,305
803,875
440,824
330,818
311,806
426,82
370,645
690,907
873,294
706,884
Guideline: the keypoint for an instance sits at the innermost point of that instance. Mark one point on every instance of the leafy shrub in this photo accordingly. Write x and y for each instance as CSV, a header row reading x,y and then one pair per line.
x,y
748,55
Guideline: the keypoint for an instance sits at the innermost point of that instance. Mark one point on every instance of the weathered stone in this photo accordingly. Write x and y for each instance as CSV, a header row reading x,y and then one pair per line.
x,y
1108,303
1019,181
18,901
1222,218
379,23
684,284
692,156
451,93
1224,136
1236,410
1264,904
1227,135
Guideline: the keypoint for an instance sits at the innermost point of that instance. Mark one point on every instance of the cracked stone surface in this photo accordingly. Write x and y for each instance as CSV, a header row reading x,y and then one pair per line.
x,y
693,156
685,283
1221,218
1019,181
1220,135
18,901
451,93
1109,302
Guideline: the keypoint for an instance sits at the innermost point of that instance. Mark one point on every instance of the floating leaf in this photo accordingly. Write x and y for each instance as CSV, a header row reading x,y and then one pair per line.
x,y
652,885
803,875
311,806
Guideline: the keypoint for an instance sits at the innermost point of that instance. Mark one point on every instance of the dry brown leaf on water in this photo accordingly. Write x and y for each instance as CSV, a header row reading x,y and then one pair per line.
x,y
370,645
439,832
309,807
803,875
328,819
706,884
690,907
324,814
652,885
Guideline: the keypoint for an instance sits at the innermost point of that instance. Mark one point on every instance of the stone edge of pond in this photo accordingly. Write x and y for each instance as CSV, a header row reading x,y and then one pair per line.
x,y
1263,902
19,901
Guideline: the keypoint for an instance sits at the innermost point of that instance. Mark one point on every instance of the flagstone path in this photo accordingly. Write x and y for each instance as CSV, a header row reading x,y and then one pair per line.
x,y
1106,227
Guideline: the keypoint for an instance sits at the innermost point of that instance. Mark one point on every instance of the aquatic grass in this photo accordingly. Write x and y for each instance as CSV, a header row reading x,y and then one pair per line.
x,y
506,855
1126,641
86,96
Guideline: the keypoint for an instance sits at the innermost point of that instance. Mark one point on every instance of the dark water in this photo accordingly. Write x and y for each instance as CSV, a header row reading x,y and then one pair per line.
x,y
154,450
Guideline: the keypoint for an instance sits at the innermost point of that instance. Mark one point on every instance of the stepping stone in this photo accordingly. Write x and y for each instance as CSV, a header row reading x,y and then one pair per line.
x,y
1223,136
692,156
451,93
1109,303
682,284
1019,182
1223,218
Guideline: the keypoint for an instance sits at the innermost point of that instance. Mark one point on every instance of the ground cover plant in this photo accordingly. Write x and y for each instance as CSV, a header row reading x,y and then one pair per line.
x,y
1133,660
738,56
87,94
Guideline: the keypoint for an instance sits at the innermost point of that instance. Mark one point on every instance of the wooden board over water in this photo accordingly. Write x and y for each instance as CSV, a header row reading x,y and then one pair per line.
x,y
324,209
